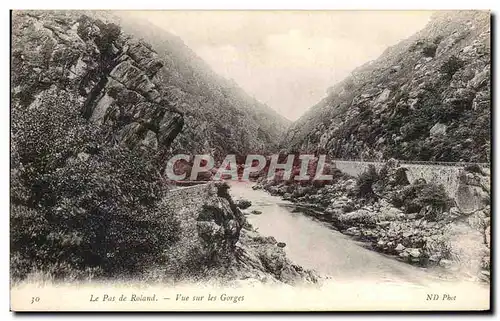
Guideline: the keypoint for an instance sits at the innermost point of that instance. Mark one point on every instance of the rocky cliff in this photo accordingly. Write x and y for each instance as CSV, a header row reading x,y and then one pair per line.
x,y
426,98
107,74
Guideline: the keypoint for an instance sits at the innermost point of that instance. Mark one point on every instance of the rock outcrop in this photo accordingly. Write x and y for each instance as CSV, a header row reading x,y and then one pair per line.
x,y
263,259
426,98
106,72
140,102
473,192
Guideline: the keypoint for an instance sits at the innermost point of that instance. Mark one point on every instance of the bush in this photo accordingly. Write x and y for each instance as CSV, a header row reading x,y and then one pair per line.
x,y
429,50
365,182
451,66
421,197
78,202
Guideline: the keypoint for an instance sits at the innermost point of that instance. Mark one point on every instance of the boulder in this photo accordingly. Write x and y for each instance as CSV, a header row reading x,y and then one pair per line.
x,y
383,96
390,213
473,192
243,204
400,247
413,252
438,129
144,56
435,257
361,216
83,156
404,255
150,140
487,236
477,220
260,258
353,231
395,68
170,126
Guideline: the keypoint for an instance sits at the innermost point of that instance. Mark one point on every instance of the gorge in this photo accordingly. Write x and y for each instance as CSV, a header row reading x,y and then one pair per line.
x,y
101,102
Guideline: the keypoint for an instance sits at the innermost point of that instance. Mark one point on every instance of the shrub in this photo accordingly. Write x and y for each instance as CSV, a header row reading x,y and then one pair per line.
x,y
365,182
420,196
78,202
451,66
429,50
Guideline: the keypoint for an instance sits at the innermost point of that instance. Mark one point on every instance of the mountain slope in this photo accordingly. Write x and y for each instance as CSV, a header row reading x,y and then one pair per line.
x,y
426,98
147,92
219,116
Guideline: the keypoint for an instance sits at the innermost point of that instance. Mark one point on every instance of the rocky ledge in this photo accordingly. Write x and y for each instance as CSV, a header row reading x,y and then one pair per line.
x,y
262,260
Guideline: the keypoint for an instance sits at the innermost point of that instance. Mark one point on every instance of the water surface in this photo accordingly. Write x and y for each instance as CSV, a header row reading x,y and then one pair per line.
x,y
317,245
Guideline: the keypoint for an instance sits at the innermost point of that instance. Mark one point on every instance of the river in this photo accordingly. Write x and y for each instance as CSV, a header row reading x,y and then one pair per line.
x,y
314,244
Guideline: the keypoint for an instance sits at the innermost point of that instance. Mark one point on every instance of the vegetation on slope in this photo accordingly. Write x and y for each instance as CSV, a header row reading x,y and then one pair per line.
x,y
426,98
81,206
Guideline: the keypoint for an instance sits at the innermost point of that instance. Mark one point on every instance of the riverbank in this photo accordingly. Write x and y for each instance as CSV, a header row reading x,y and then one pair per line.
x,y
415,223
217,242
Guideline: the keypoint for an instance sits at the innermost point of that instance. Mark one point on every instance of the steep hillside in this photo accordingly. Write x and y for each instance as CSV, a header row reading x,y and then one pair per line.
x,y
219,116
426,98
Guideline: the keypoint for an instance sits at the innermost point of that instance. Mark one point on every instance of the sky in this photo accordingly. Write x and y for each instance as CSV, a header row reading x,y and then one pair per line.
x,y
288,59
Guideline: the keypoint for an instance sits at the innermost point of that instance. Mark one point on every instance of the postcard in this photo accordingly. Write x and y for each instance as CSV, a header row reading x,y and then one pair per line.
x,y
184,160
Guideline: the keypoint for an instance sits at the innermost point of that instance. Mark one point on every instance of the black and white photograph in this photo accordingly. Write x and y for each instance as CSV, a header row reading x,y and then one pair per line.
x,y
250,160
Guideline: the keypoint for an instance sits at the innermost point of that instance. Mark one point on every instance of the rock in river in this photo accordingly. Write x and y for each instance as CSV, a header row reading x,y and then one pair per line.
x,y
400,247
414,252
243,204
